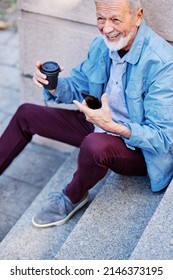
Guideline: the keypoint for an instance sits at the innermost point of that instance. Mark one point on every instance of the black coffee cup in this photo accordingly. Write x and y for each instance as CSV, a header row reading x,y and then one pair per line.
x,y
51,69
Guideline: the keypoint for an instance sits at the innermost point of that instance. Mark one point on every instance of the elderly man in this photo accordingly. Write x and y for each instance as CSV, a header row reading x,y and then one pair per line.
x,y
130,68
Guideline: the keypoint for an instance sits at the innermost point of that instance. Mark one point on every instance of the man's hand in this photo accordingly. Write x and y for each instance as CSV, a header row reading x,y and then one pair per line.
x,y
102,118
40,79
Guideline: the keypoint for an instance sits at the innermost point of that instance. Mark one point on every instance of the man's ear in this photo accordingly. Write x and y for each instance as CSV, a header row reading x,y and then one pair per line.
x,y
139,16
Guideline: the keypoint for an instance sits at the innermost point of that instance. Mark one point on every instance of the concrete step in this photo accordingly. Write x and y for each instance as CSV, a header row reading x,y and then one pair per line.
x,y
113,224
156,243
27,242
23,180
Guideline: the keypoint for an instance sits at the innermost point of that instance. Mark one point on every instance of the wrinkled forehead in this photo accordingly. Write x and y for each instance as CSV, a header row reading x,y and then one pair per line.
x,y
112,1
113,7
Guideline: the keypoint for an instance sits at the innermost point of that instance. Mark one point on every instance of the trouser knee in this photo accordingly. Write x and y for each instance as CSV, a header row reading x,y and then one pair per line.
x,y
23,119
94,148
24,110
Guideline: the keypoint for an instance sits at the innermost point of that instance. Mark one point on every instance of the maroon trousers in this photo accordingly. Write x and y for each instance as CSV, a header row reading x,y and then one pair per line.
x,y
98,151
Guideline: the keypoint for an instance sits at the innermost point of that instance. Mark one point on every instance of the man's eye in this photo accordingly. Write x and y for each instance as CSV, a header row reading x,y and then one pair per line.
x,y
100,20
115,20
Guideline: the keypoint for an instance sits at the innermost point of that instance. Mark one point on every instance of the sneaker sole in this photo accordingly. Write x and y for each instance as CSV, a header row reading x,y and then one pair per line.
x,y
61,222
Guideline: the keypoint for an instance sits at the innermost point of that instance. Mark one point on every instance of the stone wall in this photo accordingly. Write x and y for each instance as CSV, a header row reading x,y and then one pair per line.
x,y
63,30
53,30
50,30
159,15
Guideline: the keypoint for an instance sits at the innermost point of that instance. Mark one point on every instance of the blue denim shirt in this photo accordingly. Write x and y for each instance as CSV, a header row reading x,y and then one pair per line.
x,y
148,90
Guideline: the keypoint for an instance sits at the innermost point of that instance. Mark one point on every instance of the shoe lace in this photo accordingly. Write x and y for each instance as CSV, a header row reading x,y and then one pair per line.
x,y
55,196
58,200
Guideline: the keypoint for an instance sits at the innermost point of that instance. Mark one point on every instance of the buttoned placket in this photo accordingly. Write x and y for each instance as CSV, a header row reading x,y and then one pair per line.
x,y
114,90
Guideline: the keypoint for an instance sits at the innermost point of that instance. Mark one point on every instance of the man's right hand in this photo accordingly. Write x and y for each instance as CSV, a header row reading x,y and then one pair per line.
x,y
39,78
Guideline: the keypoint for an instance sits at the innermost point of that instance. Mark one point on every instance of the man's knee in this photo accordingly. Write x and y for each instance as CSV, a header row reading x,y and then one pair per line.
x,y
24,109
95,145
26,112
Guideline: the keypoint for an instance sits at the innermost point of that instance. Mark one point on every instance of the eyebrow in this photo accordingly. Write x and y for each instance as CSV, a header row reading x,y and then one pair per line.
x,y
114,15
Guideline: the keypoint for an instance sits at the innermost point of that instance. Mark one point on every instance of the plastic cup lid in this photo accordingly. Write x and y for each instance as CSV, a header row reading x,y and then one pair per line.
x,y
50,66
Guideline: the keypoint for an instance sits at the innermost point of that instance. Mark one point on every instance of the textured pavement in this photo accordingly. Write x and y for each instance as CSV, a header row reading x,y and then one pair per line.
x,y
35,166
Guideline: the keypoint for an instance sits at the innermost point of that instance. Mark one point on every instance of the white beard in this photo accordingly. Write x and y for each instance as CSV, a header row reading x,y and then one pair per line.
x,y
122,43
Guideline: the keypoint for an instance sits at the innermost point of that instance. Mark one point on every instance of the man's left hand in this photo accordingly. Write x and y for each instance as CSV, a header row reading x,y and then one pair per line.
x,y
102,118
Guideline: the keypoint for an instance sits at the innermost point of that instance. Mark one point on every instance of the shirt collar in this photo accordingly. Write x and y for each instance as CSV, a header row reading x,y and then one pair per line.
x,y
116,57
134,53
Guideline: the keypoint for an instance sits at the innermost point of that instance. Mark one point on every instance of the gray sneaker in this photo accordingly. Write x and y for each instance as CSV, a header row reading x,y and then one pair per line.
x,y
58,210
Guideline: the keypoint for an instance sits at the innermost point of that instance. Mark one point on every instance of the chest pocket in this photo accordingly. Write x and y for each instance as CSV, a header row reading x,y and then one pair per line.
x,y
134,94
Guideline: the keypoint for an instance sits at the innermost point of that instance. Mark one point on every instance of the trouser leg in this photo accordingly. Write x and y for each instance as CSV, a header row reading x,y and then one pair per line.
x,y
63,125
98,153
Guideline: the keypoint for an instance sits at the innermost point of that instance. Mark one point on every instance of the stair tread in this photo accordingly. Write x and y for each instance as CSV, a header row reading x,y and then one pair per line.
x,y
25,241
111,227
156,243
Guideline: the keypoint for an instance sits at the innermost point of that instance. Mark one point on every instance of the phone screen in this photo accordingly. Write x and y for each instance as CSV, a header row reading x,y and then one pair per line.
x,y
92,101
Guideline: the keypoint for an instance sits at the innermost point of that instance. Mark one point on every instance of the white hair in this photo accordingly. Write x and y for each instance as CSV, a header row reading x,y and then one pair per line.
x,y
134,4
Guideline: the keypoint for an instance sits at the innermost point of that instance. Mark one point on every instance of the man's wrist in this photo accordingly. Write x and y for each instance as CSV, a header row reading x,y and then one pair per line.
x,y
120,129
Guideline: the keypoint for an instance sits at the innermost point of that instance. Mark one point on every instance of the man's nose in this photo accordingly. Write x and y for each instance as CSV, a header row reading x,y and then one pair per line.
x,y
108,26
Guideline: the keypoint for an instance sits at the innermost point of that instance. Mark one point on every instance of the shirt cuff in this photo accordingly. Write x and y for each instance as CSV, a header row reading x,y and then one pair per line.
x,y
59,92
134,140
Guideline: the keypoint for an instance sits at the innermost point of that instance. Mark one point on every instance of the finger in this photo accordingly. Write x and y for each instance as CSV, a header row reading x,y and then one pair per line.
x,y
37,70
82,108
38,64
37,83
39,74
104,99
84,103
40,77
78,104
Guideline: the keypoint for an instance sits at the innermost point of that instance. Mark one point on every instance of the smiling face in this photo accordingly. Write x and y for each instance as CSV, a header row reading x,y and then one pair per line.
x,y
117,23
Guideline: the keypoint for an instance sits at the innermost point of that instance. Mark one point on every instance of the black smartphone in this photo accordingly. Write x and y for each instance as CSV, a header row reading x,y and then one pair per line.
x,y
92,101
